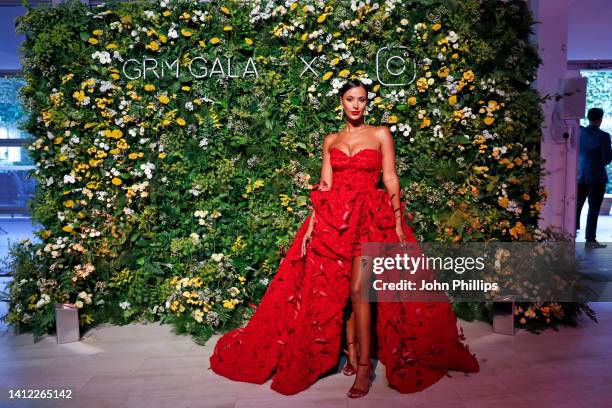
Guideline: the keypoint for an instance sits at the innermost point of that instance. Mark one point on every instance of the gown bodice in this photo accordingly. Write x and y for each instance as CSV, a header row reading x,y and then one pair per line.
x,y
359,171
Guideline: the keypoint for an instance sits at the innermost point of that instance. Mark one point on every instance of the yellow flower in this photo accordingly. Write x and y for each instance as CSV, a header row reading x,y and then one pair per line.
x,y
181,121
489,120
186,32
133,156
69,204
227,28
468,75
149,87
503,201
452,100
185,88
455,56
344,73
422,84
164,99
116,133
412,100
116,181
166,13
436,27
111,46
426,122
67,228
304,37
443,72
214,40
335,61
58,140
225,10
248,41
98,32
321,18
393,119
162,155
327,75
153,45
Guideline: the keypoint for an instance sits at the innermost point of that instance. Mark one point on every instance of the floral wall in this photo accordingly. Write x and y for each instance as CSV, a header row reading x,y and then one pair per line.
x,y
176,143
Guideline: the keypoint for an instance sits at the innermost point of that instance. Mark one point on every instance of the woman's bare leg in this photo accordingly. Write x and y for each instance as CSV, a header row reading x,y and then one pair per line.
x,y
363,317
351,338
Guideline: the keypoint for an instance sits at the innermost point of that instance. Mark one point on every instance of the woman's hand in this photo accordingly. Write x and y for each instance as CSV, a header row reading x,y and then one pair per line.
x,y
306,240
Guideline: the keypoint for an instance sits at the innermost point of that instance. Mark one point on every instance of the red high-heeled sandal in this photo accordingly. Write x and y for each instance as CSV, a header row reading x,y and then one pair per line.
x,y
355,392
349,369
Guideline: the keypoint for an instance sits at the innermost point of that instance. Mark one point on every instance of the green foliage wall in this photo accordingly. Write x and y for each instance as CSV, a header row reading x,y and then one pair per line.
x,y
175,197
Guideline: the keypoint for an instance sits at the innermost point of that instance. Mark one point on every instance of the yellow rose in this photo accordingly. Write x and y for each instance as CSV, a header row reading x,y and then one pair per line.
x,y
166,13
93,41
248,41
393,119
69,204
98,32
214,40
452,100
164,99
186,32
185,88
344,73
225,10
111,46
321,18
227,28
153,45
162,155
149,87
436,27
489,120
327,75
116,181
181,121
133,156
116,133
412,100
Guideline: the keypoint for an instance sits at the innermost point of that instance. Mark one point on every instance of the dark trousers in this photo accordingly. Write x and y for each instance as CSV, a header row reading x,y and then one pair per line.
x,y
595,194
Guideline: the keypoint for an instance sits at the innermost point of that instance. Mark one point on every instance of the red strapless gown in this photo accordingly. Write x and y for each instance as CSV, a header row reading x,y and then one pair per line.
x,y
294,335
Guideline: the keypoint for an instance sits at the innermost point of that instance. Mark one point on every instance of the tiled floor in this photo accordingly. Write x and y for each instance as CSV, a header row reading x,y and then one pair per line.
x,y
149,366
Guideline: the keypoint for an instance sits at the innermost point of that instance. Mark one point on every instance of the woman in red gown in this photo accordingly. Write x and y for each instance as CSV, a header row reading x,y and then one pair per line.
x,y
296,332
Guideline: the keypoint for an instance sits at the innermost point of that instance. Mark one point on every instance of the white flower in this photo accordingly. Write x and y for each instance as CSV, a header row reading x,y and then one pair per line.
x,y
78,304
104,57
217,257
124,305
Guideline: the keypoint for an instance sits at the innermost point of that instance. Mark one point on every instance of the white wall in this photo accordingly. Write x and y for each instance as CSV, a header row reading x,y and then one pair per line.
x,y
589,29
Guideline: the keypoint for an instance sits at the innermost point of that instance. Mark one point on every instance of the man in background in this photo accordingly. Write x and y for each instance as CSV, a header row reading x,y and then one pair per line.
x,y
595,154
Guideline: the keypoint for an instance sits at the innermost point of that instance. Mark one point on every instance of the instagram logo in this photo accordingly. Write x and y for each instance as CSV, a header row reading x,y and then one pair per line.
x,y
395,66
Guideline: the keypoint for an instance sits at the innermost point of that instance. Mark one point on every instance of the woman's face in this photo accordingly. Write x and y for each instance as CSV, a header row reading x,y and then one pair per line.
x,y
354,102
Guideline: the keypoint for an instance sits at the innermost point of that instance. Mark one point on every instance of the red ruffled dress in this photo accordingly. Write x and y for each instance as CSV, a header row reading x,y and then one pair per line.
x,y
294,336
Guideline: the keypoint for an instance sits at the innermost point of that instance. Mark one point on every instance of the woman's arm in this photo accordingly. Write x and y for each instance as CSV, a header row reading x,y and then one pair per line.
x,y
390,178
